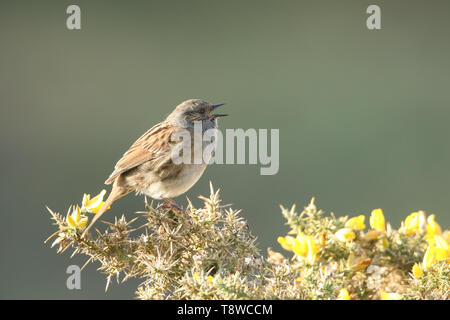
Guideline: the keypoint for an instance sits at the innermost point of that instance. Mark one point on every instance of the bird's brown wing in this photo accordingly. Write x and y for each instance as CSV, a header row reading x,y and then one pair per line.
x,y
151,145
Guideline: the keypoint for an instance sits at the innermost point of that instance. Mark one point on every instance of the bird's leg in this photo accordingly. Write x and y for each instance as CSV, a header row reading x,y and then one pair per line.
x,y
171,204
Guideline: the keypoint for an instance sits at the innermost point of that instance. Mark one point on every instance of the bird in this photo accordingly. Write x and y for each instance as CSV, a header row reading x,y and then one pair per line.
x,y
148,166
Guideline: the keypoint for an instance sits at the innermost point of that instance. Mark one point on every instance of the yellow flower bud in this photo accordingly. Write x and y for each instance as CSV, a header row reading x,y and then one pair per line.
x,y
83,223
70,221
356,223
345,235
76,215
300,247
76,220
412,223
312,249
429,257
433,229
344,295
417,271
93,205
287,242
377,221
442,251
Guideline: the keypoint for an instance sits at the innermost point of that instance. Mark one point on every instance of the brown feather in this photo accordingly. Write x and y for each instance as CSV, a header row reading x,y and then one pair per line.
x,y
150,146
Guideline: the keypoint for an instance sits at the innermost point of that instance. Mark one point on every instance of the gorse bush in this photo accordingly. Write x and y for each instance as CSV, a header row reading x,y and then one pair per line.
x,y
210,253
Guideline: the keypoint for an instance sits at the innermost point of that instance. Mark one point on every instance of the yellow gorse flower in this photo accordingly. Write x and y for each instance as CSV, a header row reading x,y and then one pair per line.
x,y
287,242
356,223
377,221
94,204
312,249
300,247
378,225
432,228
76,220
390,296
413,223
436,251
417,270
345,235
303,246
344,295
442,251
429,257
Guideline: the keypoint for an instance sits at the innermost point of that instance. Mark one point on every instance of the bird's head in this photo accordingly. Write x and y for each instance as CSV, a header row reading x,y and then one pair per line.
x,y
189,111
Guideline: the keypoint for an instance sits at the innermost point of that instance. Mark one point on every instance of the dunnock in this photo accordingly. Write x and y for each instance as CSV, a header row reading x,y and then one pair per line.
x,y
148,167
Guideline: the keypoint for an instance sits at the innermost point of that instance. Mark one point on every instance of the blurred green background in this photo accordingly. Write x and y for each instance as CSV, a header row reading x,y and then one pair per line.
x,y
363,115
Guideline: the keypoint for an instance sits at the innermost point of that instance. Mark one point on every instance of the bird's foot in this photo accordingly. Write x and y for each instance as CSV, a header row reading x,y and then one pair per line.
x,y
170,204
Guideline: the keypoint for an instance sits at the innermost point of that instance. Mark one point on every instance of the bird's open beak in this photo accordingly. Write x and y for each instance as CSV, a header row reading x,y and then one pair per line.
x,y
215,106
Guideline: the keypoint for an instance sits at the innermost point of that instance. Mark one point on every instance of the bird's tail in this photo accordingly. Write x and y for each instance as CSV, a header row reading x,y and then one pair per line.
x,y
115,194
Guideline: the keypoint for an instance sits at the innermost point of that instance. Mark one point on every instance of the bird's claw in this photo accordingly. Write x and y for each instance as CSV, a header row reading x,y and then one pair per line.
x,y
170,204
